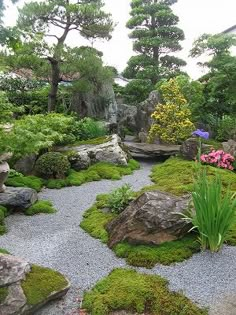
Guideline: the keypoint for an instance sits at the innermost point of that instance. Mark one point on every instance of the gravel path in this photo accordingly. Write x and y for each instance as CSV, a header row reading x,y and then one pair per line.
x,y
58,242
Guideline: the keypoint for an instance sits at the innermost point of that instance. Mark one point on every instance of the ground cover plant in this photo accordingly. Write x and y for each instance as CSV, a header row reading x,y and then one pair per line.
x,y
98,171
41,206
3,214
132,292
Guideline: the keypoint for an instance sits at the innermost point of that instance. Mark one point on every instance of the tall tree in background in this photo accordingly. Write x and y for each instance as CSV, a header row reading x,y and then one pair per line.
x,y
156,36
55,19
220,81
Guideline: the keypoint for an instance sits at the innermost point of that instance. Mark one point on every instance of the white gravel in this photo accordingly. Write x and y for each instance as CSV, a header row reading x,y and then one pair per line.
x,y
57,241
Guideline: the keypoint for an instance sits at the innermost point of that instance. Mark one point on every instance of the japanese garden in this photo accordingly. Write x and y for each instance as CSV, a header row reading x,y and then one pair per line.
x,y
117,188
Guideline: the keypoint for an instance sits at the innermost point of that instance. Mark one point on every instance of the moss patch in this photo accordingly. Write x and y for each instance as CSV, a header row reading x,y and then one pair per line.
x,y
40,283
3,214
41,206
95,220
3,294
25,181
167,253
176,176
95,172
4,251
132,292
95,141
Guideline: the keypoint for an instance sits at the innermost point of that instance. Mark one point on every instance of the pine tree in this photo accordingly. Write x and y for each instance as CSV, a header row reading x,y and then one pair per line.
x,y
156,36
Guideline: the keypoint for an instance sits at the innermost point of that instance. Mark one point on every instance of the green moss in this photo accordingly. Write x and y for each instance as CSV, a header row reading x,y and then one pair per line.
x,y
176,176
4,251
94,141
40,283
95,172
3,294
3,229
167,253
3,214
95,220
26,181
41,206
132,292
4,211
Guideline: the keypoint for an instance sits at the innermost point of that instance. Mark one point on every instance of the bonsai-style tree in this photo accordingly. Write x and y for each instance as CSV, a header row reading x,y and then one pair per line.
x,y
156,36
55,19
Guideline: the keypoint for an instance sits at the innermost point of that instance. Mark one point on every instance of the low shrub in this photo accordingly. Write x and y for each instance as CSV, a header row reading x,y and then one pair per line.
x,y
133,292
41,206
214,212
88,128
218,159
120,198
52,165
40,282
14,173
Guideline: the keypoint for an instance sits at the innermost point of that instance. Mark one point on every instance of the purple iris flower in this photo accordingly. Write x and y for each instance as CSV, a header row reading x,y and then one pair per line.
x,y
201,133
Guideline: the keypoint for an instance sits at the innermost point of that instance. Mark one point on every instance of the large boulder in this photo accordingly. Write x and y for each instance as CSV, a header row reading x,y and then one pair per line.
x,y
230,147
151,150
85,155
26,164
138,118
18,198
153,218
189,148
13,299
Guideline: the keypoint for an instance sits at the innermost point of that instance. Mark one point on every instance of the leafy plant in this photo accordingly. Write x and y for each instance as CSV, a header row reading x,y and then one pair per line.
x,y
214,212
52,165
120,198
90,129
172,120
226,128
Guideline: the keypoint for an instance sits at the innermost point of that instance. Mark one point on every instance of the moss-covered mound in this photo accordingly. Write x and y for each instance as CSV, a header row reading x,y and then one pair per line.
x,y
41,206
95,172
176,176
42,282
95,220
132,292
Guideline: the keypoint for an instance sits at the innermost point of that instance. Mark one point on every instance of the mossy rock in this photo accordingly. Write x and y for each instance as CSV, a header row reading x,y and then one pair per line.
x,y
132,292
43,284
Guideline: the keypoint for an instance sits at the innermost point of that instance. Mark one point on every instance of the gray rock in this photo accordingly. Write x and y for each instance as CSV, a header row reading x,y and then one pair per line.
x,y
225,306
15,300
189,148
230,147
153,218
127,117
151,150
12,269
18,198
26,164
88,154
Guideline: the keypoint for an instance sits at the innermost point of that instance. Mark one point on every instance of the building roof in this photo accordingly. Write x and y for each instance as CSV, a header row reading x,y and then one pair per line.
x,y
230,29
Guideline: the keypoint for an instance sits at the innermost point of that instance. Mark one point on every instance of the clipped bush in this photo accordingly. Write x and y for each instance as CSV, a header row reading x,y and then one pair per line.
x,y
52,165
172,120
120,198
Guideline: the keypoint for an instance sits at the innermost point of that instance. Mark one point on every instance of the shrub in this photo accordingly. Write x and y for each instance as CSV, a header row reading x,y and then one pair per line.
x,y
52,165
172,120
219,159
134,292
41,206
88,128
226,129
120,198
214,212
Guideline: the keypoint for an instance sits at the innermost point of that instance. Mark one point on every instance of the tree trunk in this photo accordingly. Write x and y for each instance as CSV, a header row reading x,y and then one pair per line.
x,y
55,79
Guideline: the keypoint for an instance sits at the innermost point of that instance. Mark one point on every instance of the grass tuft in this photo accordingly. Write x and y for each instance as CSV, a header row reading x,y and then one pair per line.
x,y
40,283
133,292
41,206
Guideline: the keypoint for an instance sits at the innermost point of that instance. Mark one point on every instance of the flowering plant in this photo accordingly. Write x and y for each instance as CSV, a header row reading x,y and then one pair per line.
x,y
219,159
201,134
